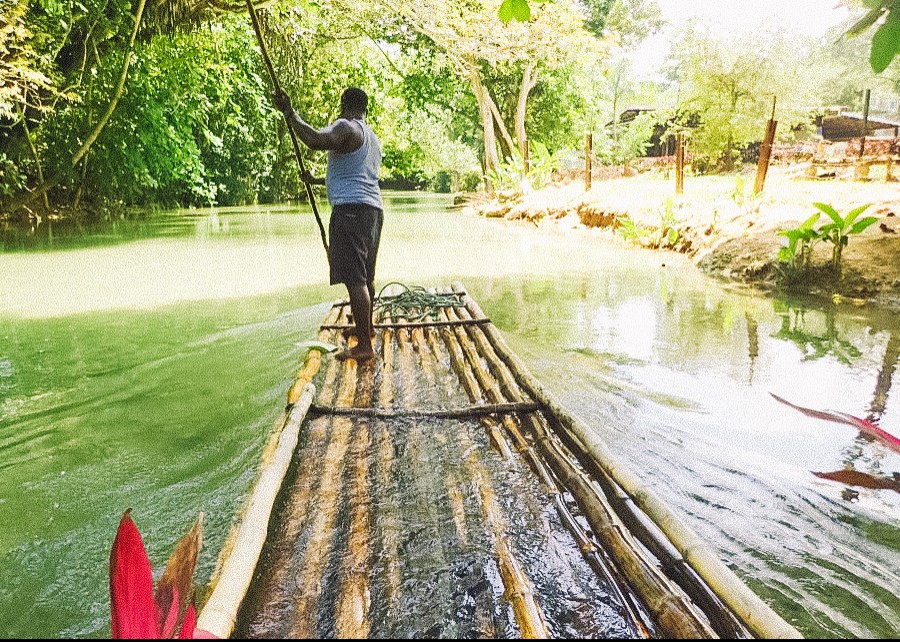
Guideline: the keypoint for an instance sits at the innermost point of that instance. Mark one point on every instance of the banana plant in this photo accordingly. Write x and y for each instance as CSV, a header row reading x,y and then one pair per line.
x,y
839,230
800,241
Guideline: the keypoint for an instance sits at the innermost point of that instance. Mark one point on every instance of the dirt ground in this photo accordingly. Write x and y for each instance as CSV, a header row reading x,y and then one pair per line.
x,y
728,232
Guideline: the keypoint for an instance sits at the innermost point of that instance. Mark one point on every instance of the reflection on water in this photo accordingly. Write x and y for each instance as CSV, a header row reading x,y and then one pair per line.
x,y
676,373
143,363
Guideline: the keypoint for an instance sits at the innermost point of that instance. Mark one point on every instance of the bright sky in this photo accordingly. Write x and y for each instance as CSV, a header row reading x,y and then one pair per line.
x,y
809,17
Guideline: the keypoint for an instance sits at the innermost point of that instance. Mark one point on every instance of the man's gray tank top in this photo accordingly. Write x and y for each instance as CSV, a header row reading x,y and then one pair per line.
x,y
352,179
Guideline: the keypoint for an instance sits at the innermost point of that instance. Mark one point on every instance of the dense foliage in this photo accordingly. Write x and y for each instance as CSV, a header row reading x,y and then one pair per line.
x,y
143,102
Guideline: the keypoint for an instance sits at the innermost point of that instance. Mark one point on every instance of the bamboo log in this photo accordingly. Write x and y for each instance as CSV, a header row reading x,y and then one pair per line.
x,y
410,325
303,489
309,583
422,477
750,609
354,601
299,496
433,356
665,603
518,587
388,515
592,553
220,611
449,413
470,385
723,620
458,508
313,360
679,163
675,615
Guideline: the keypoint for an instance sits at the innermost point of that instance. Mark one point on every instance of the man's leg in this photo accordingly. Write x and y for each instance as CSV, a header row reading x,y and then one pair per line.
x,y
351,332
371,288
361,306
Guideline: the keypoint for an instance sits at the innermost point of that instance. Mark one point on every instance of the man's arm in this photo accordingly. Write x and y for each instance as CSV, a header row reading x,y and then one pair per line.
x,y
340,136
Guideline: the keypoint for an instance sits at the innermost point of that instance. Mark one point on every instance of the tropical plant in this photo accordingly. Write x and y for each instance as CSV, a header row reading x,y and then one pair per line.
x,y
631,231
511,173
800,240
839,230
669,232
507,175
137,609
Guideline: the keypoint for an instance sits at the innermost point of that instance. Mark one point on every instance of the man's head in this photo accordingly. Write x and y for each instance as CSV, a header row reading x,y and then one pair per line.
x,y
354,103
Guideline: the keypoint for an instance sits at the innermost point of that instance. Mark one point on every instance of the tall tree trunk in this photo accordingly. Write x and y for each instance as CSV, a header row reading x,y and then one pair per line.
x,y
45,186
529,80
117,94
491,160
34,152
504,132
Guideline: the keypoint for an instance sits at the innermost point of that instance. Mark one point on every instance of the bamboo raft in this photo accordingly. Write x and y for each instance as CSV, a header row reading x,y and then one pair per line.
x,y
322,533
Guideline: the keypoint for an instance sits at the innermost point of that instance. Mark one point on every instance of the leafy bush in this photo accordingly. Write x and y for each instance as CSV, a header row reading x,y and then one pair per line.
x,y
631,231
839,230
630,142
511,173
796,255
800,240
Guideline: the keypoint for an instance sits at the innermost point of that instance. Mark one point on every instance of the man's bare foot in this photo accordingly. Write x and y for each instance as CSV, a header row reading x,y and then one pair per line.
x,y
355,353
351,332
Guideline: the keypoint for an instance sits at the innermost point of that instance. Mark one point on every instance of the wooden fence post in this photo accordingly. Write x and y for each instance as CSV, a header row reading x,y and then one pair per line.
x,y
865,124
588,169
679,163
765,152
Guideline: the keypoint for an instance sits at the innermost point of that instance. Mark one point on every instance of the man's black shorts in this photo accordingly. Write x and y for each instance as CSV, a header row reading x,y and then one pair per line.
x,y
355,232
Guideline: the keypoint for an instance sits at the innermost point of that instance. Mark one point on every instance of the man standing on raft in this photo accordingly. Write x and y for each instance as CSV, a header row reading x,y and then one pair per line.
x,y
354,161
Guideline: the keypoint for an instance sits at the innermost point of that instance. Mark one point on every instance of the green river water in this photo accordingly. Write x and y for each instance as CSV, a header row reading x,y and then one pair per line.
x,y
143,363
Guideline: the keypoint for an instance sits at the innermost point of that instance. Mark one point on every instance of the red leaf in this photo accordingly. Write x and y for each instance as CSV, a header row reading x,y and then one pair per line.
x,y
862,425
169,616
190,623
132,608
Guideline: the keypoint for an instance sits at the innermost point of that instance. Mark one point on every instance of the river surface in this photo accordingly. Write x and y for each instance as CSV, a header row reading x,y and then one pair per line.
x,y
143,363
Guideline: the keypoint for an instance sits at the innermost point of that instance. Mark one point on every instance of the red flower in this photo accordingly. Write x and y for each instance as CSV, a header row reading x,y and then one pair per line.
x,y
139,612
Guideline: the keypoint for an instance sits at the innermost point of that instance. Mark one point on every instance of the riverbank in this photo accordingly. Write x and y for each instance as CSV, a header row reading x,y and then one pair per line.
x,y
726,231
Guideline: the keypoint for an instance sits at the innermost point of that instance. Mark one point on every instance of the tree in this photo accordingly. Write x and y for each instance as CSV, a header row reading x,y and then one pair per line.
x,y
730,85
474,42
629,21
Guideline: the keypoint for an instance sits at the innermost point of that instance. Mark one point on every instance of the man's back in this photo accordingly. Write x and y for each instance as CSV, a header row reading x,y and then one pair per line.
x,y
352,178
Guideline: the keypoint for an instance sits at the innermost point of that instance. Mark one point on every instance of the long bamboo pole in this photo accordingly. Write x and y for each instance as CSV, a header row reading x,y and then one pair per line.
x,y
388,515
254,18
434,357
220,611
756,614
502,385
304,378
470,385
424,482
310,580
722,619
519,590
354,600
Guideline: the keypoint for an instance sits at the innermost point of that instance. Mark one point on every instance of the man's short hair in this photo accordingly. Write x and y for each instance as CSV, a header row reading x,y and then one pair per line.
x,y
354,100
